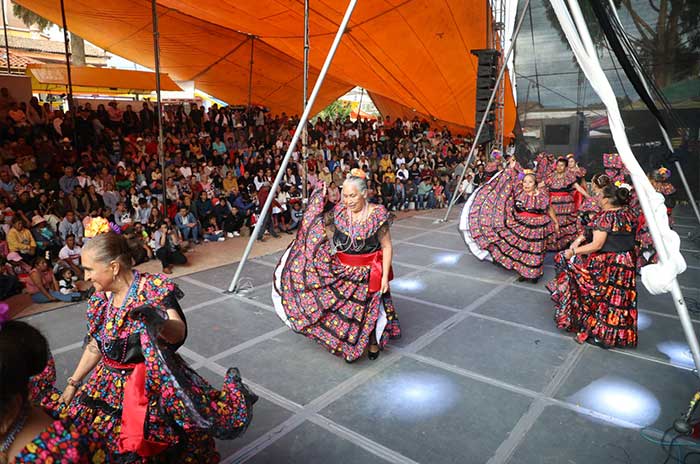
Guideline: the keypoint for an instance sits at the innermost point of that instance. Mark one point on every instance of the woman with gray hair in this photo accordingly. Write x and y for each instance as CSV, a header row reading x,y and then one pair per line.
x,y
332,283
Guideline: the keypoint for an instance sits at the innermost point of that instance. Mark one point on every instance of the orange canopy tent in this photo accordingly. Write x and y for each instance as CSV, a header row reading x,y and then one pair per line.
x,y
415,53
53,78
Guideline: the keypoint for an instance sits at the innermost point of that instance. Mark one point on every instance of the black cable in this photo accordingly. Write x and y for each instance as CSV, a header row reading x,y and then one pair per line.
x,y
687,455
669,453
558,94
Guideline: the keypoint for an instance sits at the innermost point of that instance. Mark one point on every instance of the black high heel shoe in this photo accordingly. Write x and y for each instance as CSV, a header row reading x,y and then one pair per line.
x,y
597,342
372,355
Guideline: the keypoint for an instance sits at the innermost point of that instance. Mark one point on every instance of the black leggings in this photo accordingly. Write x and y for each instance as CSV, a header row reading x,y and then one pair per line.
x,y
168,257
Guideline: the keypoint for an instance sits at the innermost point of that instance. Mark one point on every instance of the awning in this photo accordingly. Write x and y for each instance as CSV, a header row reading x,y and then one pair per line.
x,y
53,78
413,52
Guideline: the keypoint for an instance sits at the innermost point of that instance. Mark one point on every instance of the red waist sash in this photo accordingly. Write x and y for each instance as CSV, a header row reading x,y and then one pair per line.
x,y
374,260
530,214
559,194
132,437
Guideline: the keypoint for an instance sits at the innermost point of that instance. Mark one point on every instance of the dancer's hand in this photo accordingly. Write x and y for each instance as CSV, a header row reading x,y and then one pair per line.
x,y
385,285
569,253
67,396
151,316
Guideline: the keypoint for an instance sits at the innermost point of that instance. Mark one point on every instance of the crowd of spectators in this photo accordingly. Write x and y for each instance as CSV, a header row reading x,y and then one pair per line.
x,y
61,170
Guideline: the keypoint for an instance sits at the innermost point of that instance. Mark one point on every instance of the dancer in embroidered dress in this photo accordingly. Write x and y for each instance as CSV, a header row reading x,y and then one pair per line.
x,y
595,293
332,283
561,184
660,180
509,221
614,167
580,187
544,164
28,431
590,206
139,393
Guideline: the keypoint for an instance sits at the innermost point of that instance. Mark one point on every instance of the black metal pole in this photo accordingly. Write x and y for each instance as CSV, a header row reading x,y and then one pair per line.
x,y
250,77
159,108
7,45
66,42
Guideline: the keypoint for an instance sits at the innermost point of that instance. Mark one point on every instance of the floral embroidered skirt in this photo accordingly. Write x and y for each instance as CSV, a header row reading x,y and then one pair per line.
x,y
317,296
565,209
98,404
521,244
597,297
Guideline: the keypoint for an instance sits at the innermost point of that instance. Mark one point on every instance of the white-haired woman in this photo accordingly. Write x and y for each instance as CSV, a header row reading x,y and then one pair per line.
x,y
332,283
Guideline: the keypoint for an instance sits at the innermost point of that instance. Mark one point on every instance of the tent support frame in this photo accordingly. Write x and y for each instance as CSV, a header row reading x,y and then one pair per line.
x,y
295,139
495,90
305,133
159,108
4,29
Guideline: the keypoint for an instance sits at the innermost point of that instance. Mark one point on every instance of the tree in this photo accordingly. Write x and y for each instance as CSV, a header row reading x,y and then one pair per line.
x,y
29,18
668,49
337,109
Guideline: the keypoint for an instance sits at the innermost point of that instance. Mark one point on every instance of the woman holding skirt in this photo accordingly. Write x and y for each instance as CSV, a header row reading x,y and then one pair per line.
x,y
595,291
332,283
509,221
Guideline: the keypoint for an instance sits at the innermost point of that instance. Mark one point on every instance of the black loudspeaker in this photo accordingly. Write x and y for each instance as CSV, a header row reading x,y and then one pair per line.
x,y
486,76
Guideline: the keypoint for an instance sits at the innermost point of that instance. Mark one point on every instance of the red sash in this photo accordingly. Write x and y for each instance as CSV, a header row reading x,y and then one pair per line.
x,y
374,260
134,407
530,214
559,194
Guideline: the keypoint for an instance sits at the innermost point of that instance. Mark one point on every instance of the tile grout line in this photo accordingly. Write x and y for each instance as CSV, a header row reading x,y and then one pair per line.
x,y
518,433
348,385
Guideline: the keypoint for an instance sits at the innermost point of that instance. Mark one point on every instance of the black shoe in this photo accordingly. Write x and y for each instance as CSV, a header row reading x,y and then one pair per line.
x,y
535,280
597,342
521,279
372,355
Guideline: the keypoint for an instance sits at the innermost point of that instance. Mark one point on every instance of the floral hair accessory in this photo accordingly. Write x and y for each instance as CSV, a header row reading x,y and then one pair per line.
x,y
496,154
356,172
623,185
665,173
570,156
4,314
99,226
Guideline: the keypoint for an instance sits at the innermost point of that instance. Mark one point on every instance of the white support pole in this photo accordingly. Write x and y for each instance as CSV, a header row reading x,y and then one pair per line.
x,y
501,73
295,139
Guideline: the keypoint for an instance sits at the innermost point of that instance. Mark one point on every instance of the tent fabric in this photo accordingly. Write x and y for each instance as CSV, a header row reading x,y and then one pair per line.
x,y
414,52
217,58
54,77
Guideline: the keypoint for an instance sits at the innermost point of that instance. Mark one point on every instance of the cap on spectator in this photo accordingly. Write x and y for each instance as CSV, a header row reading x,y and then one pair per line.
x,y
65,140
139,139
36,220
14,256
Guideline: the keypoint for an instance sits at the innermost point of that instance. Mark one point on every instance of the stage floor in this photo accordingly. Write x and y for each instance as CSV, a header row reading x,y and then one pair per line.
x,y
480,375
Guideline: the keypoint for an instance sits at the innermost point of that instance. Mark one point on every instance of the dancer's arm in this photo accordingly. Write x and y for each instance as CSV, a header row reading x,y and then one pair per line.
x,y
599,237
91,356
553,216
387,255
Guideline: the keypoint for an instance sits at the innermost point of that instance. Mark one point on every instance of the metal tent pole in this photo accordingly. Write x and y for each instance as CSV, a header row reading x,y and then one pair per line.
x,y
250,76
305,133
295,139
501,73
66,42
159,108
4,28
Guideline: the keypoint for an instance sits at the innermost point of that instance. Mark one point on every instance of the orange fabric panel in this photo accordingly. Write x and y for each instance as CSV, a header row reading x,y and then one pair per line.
x,y
215,57
83,76
415,52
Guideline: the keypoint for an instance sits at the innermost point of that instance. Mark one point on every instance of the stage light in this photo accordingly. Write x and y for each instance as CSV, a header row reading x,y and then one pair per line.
x,y
678,354
407,285
413,396
619,401
449,259
643,321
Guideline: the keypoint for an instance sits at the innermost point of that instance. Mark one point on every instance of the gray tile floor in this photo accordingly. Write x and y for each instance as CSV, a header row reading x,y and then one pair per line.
x,y
480,375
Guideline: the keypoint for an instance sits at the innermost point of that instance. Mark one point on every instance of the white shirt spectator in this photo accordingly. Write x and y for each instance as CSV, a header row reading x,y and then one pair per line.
x,y
70,255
